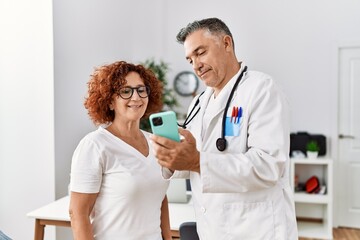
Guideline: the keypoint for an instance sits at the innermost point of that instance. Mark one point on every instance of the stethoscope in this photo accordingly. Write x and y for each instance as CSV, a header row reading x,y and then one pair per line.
x,y
221,142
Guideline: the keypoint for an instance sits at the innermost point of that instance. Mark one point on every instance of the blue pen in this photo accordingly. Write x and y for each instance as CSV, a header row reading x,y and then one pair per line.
x,y
239,114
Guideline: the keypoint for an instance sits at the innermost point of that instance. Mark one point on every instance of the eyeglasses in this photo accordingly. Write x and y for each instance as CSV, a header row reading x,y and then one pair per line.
x,y
127,92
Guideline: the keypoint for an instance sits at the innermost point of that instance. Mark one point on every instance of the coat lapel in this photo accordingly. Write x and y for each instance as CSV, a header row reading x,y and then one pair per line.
x,y
216,111
196,126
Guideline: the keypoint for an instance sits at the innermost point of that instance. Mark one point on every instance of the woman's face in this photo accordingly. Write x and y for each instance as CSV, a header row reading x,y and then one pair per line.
x,y
131,108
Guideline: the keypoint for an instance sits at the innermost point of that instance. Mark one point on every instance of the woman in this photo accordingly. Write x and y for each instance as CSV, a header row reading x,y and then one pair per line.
x,y
117,191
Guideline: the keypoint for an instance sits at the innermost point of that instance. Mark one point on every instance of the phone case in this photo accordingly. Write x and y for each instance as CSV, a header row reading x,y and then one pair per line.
x,y
165,124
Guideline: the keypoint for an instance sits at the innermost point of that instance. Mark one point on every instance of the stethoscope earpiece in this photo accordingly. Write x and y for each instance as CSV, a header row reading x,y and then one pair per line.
x,y
221,144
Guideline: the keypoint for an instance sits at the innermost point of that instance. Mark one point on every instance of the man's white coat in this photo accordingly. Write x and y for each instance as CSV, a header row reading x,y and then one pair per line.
x,y
244,191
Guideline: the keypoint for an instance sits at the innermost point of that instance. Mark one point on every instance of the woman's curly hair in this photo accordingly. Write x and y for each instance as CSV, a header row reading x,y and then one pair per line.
x,y
107,81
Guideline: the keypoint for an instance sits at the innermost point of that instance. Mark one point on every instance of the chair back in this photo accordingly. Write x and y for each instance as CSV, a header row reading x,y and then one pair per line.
x,y
187,231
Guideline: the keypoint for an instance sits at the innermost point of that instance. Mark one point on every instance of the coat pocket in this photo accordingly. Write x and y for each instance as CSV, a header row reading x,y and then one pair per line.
x,y
249,220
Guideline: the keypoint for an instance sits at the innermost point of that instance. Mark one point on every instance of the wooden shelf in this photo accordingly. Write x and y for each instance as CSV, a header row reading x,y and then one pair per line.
x,y
314,230
311,198
322,168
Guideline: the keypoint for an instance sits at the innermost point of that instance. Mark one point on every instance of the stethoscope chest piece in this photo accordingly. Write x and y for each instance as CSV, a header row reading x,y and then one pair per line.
x,y
221,144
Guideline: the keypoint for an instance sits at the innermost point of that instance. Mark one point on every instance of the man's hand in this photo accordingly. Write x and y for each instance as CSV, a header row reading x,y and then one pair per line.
x,y
177,155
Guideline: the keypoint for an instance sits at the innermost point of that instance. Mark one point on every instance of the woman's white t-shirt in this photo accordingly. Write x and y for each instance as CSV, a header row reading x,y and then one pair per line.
x,y
130,186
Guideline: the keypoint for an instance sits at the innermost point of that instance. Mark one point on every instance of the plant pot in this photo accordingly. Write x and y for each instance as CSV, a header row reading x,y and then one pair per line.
x,y
312,155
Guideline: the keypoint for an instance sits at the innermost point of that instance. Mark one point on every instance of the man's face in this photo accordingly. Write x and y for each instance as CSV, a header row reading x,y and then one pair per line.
x,y
208,55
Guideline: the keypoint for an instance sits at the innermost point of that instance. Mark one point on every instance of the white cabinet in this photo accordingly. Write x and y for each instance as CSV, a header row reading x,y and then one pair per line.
x,y
313,211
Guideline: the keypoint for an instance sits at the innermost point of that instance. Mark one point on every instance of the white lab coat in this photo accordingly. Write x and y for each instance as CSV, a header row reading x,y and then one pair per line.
x,y
244,191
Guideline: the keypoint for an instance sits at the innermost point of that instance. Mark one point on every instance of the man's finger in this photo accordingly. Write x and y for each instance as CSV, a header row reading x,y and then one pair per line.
x,y
164,163
165,142
187,135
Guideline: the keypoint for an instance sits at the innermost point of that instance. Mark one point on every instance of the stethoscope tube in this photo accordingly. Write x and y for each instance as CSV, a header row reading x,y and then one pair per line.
x,y
188,119
221,142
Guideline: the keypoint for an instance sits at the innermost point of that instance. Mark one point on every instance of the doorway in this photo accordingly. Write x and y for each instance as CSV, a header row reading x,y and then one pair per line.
x,y
349,137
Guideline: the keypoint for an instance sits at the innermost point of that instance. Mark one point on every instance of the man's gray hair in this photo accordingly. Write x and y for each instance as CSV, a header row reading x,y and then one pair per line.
x,y
214,25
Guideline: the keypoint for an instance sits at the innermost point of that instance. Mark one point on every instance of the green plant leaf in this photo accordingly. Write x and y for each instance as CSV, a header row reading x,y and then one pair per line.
x,y
160,69
312,146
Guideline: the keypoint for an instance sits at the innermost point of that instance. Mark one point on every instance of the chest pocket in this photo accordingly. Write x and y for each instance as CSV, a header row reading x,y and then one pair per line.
x,y
233,121
232,127
237,143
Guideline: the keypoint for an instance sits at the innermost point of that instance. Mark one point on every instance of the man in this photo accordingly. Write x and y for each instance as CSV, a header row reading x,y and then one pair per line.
x,y
236,150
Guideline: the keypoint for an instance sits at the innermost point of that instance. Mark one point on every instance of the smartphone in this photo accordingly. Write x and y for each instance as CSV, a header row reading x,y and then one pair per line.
x,y
165,124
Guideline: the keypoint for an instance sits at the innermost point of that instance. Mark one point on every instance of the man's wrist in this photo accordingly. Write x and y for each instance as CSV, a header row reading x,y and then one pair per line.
x,y
196,167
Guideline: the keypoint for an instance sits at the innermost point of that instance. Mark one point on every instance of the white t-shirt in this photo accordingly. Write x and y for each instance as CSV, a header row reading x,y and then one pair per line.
x,y
130,186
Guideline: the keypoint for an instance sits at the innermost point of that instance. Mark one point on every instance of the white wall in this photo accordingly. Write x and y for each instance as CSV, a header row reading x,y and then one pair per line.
x,y
26,114
294,41
89,34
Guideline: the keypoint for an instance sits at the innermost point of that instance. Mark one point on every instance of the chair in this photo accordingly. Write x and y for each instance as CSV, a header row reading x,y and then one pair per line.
x,y
187,231
3,236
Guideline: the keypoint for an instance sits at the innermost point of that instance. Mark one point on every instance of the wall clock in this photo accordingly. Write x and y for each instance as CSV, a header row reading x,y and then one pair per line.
x,y
186,83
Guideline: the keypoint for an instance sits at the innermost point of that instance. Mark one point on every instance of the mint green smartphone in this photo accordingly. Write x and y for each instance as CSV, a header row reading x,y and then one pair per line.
x,y
165,124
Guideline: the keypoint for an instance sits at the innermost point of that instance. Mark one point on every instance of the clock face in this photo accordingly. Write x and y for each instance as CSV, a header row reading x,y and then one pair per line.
x,y
186,83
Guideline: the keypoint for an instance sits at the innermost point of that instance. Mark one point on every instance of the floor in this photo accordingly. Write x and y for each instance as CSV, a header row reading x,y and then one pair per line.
x,y
342,234
338,234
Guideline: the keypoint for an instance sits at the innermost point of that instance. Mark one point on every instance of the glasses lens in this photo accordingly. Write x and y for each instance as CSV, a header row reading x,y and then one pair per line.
x,y
126,92
143,91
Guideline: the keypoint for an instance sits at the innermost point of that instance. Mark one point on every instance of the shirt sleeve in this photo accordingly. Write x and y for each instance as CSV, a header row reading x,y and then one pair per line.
x,y
168,174
86,169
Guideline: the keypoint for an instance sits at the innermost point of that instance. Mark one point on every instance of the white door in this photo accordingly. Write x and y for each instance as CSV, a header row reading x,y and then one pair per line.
x,y
349,137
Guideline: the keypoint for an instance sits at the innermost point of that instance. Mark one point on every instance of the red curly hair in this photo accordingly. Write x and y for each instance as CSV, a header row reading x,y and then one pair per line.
x,y
107,81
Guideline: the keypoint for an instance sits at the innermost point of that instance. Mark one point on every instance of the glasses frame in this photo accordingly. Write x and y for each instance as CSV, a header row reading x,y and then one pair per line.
x,y
147,88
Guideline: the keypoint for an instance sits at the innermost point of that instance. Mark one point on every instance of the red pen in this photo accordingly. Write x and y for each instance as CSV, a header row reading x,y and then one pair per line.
x,y
233,115
236,114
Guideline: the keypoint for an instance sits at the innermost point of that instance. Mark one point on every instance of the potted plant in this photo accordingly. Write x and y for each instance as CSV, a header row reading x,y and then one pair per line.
x,y
170,102
312,149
